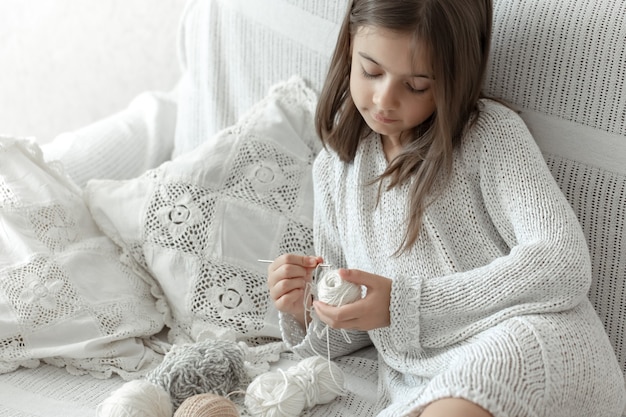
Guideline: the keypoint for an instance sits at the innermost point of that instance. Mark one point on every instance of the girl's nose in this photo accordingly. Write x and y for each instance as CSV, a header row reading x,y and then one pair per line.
x,y
384,96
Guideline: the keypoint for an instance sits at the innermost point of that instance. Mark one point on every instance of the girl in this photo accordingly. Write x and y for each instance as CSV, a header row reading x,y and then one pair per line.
x,y
438,202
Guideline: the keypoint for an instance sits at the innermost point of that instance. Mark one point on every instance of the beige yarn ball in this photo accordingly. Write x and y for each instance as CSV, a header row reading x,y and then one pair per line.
x,y
207,405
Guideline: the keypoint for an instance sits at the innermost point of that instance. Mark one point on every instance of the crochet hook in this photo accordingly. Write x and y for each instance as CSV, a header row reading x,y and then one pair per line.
x,y
268,261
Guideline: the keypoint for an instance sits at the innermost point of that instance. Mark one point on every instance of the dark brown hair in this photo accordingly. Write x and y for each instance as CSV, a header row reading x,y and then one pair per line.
x,y
457,35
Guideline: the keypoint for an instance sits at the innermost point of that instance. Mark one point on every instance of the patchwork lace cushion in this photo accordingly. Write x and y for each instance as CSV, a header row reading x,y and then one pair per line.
x,y
200,223
66,298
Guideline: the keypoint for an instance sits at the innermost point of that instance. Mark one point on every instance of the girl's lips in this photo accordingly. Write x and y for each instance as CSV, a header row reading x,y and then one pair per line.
x,y
382,119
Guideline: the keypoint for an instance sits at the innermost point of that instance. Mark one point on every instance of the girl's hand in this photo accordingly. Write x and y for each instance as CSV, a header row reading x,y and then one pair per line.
x,y
287,278
368,313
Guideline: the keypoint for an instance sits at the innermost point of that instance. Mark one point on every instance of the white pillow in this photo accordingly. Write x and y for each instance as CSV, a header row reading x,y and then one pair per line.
x,y
199,224
65,295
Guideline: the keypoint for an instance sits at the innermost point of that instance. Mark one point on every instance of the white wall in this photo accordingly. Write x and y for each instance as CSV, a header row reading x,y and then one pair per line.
x,y
67,63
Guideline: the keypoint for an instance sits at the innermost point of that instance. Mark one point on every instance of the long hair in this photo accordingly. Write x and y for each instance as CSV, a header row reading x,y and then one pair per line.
x,y
457,35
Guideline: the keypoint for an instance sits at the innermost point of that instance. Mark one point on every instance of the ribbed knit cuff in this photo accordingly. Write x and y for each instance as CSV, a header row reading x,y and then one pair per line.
x,y
404,312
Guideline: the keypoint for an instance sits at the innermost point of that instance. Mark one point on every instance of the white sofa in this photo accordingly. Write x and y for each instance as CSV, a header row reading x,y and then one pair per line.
x,y
562,63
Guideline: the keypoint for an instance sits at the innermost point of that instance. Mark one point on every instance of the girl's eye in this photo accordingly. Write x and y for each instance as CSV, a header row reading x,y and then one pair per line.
x,y
367,74
416,90
409,87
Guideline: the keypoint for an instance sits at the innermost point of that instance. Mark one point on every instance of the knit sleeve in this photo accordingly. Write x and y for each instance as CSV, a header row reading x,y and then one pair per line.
x,y
320,339
547,267
122,145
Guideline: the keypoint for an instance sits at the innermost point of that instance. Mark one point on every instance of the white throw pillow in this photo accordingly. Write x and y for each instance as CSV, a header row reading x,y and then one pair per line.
x,y
66,297
200,223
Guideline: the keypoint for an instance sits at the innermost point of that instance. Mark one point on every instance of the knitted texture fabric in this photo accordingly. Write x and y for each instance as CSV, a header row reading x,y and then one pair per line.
x,y
212,366
490,304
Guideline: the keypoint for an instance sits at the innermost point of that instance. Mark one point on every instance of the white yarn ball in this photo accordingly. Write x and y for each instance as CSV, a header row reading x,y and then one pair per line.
x,y
137,398
324,375
312,381
334,291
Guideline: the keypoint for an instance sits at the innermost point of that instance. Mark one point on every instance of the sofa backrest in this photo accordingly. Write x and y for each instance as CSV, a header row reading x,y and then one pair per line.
x,y
561,62
234,50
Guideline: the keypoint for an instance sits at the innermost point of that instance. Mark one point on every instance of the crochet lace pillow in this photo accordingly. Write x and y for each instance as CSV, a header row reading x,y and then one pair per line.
x,y
66,298
200,223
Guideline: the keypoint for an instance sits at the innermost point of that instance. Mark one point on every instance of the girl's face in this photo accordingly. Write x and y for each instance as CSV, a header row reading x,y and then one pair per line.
x,y
391,84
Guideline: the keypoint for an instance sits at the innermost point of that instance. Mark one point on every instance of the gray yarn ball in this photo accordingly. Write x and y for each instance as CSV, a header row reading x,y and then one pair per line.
x,y
211,366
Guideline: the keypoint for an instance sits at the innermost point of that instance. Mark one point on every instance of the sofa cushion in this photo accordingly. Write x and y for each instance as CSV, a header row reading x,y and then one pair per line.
x,y
66,295
199,223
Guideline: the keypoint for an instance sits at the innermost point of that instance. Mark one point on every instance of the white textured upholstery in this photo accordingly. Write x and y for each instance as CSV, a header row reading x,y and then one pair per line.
x,y
562,58
251,46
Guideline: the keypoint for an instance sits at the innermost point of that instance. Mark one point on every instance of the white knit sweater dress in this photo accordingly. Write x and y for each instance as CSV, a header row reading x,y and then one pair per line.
x,y
490,304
